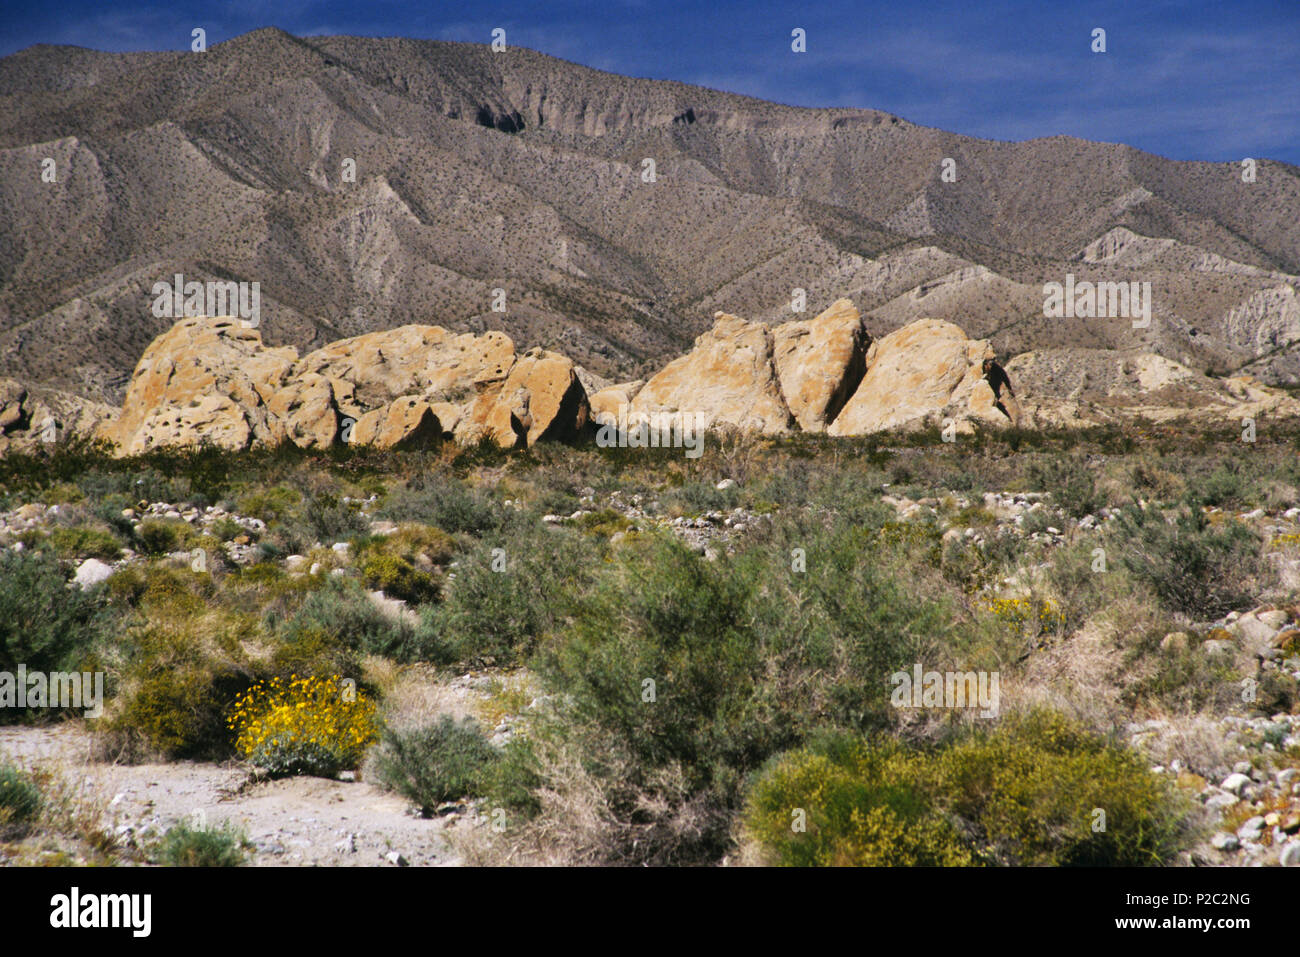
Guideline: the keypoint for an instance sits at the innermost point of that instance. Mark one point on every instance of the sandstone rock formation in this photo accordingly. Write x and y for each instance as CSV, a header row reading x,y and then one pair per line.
x,y
918,376
612,401
728,379
214,381
204,380
820,363
406,422
40,417
540,398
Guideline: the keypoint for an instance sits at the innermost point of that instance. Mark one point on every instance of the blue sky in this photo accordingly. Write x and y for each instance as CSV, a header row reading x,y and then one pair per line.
x,y
1183,78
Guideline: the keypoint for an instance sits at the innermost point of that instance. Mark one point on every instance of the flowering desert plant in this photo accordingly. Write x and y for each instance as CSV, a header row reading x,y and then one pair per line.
x,y
307,725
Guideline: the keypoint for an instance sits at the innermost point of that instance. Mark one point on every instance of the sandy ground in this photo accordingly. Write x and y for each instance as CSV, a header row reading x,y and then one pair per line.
x,y
296,821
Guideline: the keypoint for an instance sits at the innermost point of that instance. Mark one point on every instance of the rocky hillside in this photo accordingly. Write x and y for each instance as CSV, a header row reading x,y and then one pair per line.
x,y
477,171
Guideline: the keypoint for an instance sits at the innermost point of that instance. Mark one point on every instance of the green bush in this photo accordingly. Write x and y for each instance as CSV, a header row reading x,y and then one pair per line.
x,y
445,503
44,624
178,677
185,845
20,800
1028,792
160,536
1070,482
82,542
853,805
439,762
398,578
497,616
704,669
1192,566
341,615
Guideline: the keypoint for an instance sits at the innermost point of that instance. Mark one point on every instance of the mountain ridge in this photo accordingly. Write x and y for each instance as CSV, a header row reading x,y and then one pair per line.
x,y
479,171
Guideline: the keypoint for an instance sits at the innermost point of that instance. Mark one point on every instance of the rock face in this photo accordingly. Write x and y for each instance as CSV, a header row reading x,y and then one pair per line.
x,y
820,363
413,360
32,418
540,398
728,379
214,381
204,380
607,403
406,422
918,376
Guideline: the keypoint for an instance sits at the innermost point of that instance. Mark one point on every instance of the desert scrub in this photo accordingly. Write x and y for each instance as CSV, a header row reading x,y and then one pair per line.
x,y
443,502
1031,787
341,615
317,726
172,677
160,536
854,805
44,624
1028,617
83,542
1024,793
20,801
439,762
1192,566
1069,481
185,845
509,592
689,673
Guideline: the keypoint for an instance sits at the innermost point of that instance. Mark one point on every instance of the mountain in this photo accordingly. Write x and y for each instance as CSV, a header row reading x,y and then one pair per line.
x,y
478,171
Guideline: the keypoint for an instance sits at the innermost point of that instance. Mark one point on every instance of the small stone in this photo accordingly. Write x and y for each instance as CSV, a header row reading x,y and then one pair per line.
x,y
348,845
1290,856
1224,842
315,568
396,859
341,548
1274,619
91,572
1217,646
1235,782
1174,641
1242,767
1252,830
725,484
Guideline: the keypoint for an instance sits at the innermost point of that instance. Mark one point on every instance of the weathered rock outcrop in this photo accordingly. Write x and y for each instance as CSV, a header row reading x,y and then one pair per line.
x,y
820,363
728,379
540,398
32,418
918,376
406,422
1080,387
612,401
214,381
204,380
